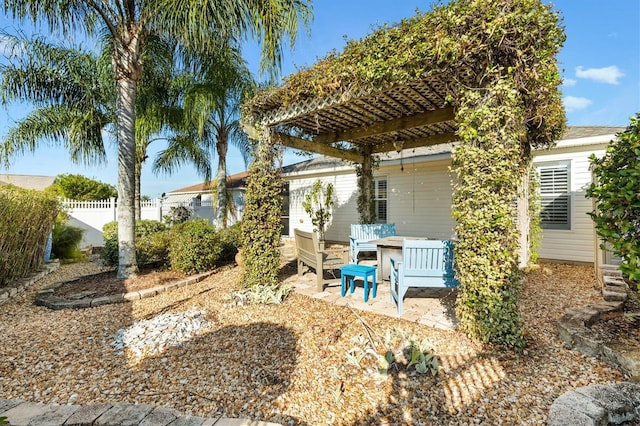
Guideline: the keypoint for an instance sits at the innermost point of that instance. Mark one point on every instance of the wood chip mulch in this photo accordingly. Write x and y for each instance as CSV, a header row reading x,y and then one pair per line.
x,y
288,363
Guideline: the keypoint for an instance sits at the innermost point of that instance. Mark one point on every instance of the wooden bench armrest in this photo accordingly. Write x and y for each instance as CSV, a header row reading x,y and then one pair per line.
x,y
343,252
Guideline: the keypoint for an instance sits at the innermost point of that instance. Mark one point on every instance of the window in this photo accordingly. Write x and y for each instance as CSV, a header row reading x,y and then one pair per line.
x,y
555,196
380,199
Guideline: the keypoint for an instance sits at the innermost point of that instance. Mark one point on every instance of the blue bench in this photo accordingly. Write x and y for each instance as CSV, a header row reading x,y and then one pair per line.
x,y
352,271
362,234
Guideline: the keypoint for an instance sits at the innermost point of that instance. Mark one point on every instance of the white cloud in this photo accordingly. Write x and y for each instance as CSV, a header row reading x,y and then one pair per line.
x,y
573,103
609,75
569,82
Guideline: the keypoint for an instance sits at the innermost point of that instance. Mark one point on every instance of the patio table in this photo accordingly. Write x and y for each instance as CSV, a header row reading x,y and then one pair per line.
x,y
386,248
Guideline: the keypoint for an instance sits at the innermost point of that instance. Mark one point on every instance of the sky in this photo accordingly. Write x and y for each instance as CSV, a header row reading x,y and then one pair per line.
x,y
600,66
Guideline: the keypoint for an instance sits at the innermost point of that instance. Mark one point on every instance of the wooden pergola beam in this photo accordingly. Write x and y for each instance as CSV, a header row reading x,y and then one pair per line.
x,y
313,146
417,142
394,125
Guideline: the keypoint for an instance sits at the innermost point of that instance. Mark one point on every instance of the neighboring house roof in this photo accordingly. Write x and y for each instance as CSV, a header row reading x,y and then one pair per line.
x,y
234,181
576,132
322,163
27,181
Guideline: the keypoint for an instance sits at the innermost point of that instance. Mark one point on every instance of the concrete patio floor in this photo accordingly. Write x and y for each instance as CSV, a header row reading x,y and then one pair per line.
x,y
434,307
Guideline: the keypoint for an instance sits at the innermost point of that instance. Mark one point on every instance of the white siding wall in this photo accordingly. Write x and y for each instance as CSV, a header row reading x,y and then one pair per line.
x,y
345,209
420,198
575,244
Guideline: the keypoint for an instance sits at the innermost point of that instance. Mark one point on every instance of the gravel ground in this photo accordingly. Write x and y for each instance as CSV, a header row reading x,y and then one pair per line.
x,y
288,363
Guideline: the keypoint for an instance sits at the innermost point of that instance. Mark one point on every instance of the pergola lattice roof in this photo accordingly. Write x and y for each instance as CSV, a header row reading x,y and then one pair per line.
x,y
389,119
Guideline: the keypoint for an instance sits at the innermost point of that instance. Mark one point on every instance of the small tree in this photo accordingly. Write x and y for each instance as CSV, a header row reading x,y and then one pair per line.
x,y
78,187
318,205
616,192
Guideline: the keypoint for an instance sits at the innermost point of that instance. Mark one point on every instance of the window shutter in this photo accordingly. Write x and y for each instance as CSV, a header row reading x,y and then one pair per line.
x,y
555,196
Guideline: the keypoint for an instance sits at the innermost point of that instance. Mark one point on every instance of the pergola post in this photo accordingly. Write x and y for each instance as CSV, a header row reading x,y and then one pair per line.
x,y
261,225
366,208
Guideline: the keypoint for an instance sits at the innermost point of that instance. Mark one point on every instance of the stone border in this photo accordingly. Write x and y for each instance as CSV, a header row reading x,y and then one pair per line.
x,y
46,297
21,413
573,326
7,293
597,405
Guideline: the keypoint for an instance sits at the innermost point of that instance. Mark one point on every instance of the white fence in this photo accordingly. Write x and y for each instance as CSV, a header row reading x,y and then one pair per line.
x,y
91,216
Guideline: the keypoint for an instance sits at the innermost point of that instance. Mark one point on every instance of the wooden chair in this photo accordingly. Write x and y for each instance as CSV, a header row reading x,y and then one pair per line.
x,y
310,254
362,234
424,263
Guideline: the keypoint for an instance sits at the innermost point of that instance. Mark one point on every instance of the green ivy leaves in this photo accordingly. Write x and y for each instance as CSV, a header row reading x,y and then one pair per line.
x,y
616,192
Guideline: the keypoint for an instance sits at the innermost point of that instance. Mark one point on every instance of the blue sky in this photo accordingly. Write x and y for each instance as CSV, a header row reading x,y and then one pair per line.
x,y
600,64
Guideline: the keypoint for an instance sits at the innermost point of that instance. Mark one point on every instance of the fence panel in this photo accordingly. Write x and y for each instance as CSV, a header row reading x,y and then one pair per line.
x,y
92,215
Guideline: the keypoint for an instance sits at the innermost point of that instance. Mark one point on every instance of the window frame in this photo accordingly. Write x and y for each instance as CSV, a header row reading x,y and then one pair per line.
x,y
377,198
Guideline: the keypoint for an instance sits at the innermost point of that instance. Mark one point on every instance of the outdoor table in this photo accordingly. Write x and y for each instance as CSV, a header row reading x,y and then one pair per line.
x,y
386,248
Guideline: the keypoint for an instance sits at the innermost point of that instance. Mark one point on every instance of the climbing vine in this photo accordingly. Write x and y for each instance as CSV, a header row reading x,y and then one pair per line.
x,y
488,168
261,225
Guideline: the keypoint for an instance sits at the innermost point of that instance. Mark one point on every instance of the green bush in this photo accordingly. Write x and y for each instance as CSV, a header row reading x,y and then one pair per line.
x,y
66,241
195,247
615,192
154,248
148,244
26,220
231,240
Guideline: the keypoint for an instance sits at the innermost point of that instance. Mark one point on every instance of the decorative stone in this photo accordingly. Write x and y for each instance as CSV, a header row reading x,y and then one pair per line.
x,y
7,404
124,415
188,421
21,414
87,415
57,416
160,416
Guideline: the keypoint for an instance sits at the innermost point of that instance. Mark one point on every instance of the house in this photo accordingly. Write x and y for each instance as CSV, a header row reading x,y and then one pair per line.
x,y
413,189
27,181
199,198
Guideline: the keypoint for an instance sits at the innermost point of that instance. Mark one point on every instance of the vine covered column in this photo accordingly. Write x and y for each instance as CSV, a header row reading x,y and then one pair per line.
x,y
261,224
489,165
364,171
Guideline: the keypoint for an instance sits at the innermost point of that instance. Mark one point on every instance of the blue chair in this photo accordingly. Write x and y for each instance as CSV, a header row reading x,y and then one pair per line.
x,y
362,234
424,263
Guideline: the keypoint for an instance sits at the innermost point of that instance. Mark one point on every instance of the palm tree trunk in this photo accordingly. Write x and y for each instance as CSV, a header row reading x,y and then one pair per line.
x,y
138,207
127,264
221,178
128,68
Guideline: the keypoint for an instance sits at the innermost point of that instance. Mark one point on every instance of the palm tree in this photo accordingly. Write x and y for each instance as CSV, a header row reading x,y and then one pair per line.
x,y
75,104
212,105
189,22
67,86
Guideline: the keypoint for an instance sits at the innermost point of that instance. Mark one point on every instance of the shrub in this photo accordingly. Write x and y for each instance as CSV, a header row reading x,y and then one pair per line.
x,y
231,240
615,192
26,220
66,241
154,248
148,244
177,215
195,247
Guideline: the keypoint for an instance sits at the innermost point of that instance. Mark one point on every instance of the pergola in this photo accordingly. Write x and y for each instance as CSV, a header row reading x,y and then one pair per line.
x,y
356,125
482,73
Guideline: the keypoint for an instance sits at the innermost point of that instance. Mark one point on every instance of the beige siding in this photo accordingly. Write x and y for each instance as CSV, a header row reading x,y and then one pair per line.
x,y
345,211
420,195
576,244
420,198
